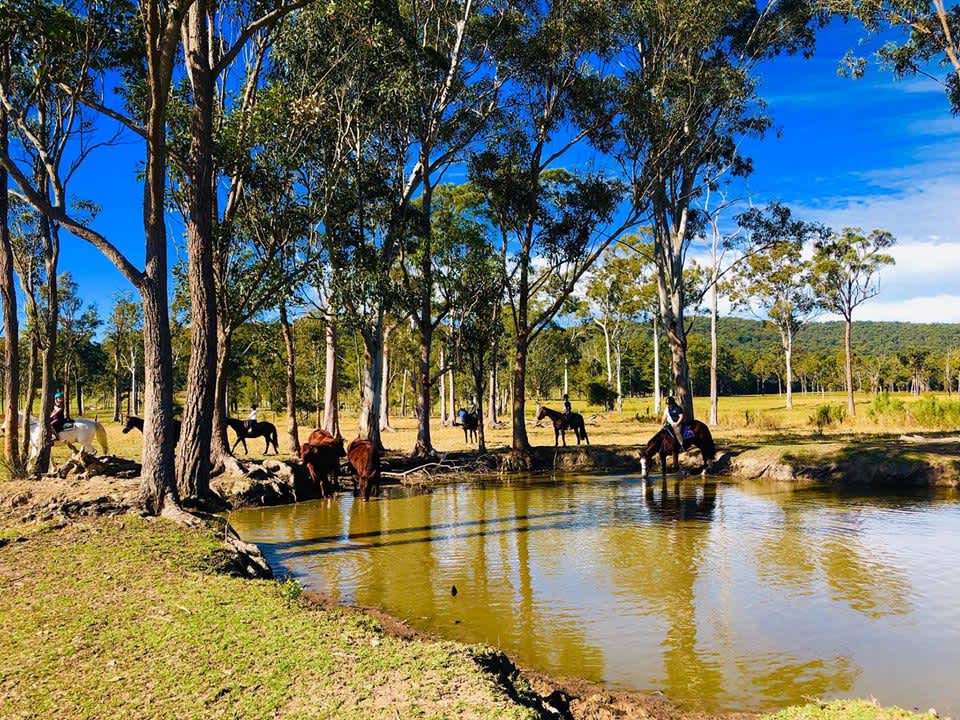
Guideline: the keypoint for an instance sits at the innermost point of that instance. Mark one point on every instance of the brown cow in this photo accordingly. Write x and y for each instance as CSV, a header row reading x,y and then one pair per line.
x,y
365,461
321,455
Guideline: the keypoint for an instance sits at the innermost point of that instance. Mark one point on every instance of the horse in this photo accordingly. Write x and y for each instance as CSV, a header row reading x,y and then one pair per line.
x,y
470,422
78,430
321,455
133,422
562,423
266,430
365,461
664,442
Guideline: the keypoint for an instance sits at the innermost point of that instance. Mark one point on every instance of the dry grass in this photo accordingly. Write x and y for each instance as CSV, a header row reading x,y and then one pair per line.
x,y
751,419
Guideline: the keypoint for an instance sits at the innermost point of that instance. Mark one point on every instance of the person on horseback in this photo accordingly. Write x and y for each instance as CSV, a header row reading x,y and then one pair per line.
x,y
251,418
567,407
674,418
58,418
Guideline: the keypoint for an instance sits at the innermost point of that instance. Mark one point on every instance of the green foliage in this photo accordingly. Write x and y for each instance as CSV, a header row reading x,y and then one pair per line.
x,y
931,412
884,407
600,394
827,416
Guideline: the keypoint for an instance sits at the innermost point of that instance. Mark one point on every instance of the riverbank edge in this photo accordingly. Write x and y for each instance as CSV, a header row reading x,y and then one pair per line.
x,y
548,696
885,462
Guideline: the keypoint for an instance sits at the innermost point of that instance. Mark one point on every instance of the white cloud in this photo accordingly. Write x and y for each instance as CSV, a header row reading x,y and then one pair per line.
x,y
932,308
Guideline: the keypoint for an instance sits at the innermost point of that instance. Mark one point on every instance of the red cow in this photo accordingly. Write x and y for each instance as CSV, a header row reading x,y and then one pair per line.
x,y
365,461
321,455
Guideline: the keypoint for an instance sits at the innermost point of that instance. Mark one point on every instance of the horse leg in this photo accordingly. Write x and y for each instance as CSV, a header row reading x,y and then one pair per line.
x,y
663,464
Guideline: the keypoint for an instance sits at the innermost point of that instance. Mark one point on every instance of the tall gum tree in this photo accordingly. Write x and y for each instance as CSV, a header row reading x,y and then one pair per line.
x,y
555,223
845,275
775,283
691,97
153,30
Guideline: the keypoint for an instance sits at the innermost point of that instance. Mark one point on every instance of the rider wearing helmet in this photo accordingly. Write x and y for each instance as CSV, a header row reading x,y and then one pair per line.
x,y
673,418
58,417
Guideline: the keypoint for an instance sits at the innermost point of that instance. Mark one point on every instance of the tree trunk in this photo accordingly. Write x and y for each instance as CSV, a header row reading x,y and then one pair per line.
x,y
31,394
331,392
521,444
494,382
193,459
619,356
67,395
848,366
403,394
79,396
566,376
478,384
787,337
714,402
443,389
385,382
11,327
606,350
48,351
116,382
451,407
656,366
371,399
293,434
424,444
219,442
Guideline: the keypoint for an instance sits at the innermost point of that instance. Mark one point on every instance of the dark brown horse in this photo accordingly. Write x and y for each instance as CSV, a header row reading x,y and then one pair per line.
x,y
321,455
470,422
365,461
266,430
133,422
664,443
562,423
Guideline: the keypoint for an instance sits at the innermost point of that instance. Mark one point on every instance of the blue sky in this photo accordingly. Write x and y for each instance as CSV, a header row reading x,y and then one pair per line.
x,y
872,152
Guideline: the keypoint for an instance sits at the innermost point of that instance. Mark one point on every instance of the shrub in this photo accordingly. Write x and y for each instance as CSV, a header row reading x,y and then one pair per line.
x,y
827,415
884,407
600,394
930,412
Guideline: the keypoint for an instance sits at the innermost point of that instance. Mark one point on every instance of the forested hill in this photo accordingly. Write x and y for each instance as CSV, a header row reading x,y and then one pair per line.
x,y
869,338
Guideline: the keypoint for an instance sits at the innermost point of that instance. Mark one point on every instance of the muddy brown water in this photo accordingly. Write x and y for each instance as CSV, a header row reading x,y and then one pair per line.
x,y
722,596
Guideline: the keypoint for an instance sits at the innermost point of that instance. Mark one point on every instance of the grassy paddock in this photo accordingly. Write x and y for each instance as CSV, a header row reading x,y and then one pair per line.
x,y
749,419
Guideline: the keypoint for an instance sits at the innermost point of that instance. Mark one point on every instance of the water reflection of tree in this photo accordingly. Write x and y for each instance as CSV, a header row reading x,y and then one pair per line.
x,y
833,542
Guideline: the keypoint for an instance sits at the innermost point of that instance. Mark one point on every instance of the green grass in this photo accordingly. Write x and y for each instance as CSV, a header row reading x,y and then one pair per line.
x,y
844,710
120,618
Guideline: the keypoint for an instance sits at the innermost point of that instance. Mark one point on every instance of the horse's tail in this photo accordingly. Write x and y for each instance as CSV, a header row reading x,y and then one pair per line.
x,y
101,437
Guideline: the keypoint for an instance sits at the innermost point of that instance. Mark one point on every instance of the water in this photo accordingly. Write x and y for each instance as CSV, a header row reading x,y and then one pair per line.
x,y
722,596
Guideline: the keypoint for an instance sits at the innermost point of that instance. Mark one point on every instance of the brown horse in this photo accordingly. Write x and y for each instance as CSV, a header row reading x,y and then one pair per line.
x,y
470,422
266,430
321,455
365,461
562,423
665,442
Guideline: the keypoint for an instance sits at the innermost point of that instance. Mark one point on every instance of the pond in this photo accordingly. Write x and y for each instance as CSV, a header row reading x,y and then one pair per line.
x,y
722,596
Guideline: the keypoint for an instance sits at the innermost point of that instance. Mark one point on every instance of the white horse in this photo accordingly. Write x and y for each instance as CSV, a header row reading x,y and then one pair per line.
x,y
82,431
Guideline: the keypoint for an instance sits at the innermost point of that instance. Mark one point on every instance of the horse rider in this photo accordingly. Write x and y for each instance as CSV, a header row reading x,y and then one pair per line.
x,y
251,419
567,407
58,418
673,418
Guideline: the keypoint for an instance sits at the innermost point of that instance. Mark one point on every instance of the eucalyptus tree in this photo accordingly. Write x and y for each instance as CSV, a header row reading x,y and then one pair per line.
x,y
77,326
917,33
691,98
775,283
845,275
139,40
123,336
616,297
556,96
8,296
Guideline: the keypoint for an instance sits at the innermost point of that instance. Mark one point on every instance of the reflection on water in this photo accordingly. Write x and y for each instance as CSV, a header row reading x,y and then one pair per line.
x,y
722,596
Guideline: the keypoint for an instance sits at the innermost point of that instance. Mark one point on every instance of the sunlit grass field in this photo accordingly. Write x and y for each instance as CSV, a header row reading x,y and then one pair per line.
x,y
750,418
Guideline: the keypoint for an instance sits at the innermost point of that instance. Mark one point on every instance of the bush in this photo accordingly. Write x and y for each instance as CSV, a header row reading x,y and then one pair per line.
x,y
600,394
827,415
930,412
885,407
